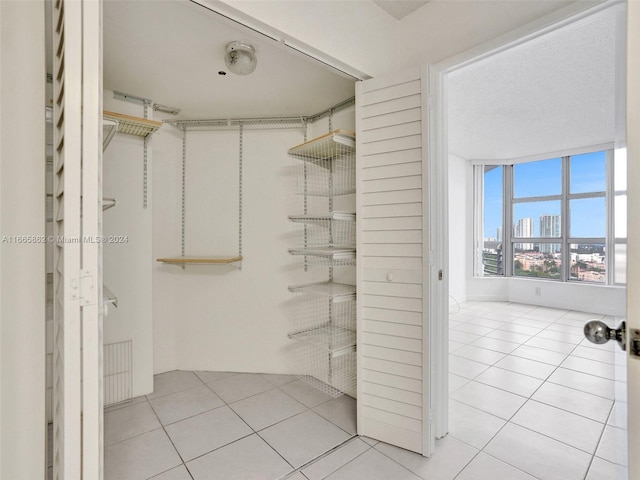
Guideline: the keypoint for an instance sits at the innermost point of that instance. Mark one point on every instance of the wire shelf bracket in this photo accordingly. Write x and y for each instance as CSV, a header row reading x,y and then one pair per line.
x,y
183,260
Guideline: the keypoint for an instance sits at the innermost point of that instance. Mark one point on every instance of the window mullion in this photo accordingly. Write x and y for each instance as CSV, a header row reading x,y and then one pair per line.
x,y
565,220
478,243
507,230
609,246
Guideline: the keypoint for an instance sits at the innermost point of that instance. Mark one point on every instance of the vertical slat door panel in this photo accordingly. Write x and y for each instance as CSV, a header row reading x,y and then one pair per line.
x,y
76,116
393,400
67,399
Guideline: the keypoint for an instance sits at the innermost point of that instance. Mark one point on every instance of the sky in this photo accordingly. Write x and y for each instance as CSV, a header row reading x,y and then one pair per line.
x,y
588,216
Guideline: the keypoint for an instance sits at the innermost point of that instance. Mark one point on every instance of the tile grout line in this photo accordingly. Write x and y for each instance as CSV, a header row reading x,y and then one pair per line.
x,y
380,452
321,456
509,421
171,440
599,440
229,405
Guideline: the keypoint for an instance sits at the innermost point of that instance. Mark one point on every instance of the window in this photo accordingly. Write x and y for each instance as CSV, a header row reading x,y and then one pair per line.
x,y
560,219
492,201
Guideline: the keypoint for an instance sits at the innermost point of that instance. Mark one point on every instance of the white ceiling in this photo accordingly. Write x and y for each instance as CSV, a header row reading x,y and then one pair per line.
x,y
399,9
551,94
171,52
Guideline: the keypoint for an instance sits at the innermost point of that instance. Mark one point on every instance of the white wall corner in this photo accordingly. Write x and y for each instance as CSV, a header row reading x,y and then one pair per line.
x,y
356,37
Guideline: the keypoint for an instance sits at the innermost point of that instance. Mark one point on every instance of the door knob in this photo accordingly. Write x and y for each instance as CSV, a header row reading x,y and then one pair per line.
x,y
598,332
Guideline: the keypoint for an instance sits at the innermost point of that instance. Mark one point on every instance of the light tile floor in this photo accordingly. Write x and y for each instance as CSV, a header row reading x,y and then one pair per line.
x,y
530,399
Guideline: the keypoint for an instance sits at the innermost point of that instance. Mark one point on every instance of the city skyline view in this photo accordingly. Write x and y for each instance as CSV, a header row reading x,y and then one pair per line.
x,y
536,179
541,196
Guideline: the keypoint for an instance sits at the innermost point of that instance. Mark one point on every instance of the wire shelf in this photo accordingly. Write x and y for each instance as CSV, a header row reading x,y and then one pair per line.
x,y
230,124
337,292
333,375
324,305
333,340
199,260
325,147
327,256
337,229
323,219
140,127
328,166
108,297
108,203
109,129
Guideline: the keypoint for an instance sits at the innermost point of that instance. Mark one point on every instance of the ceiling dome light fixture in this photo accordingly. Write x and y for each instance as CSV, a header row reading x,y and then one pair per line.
x,y
240,58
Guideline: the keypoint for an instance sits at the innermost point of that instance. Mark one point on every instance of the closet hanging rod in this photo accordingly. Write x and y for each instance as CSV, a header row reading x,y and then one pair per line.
x,y
258,122
336,108
235,123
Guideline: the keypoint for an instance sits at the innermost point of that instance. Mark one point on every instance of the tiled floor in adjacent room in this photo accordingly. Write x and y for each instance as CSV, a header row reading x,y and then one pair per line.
x,y
530,399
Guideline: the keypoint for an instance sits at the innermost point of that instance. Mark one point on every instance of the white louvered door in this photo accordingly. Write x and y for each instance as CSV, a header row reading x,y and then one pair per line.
x,y
393,357
77,375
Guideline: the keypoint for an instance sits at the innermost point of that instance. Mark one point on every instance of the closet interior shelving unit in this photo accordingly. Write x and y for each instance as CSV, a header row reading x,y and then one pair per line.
x,y
324,317
191,125
109,129
112,123
119,123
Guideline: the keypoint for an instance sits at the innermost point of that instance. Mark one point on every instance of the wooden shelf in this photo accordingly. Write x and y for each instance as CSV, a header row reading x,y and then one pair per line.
x,y
199,260
140,127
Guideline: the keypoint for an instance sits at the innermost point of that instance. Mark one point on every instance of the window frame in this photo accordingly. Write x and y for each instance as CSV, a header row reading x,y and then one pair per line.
x,y
509,240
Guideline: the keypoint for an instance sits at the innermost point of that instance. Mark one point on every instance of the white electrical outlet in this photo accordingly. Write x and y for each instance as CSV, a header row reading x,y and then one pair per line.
x,y
538,291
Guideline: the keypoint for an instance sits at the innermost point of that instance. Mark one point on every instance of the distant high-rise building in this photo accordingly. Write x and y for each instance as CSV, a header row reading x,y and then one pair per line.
x,y
499,234
524,229
549,227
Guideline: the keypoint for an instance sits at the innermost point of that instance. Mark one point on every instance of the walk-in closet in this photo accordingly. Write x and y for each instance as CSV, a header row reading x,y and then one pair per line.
x,y
229,248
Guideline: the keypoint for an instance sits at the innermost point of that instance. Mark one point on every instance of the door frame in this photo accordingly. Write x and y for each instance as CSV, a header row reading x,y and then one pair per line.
x,y
438,184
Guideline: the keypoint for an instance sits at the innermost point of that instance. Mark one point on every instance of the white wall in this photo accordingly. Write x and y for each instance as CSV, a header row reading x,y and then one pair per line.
x,y
460,181
127,266
22,266
221,317
571,296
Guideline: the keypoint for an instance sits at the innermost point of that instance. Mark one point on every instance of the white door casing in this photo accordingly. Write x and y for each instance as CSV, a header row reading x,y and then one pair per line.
x,y
393,261
77,369
438,156
633,230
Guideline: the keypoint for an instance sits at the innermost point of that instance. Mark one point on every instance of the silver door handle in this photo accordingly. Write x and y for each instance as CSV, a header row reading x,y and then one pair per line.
x,y
599,332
